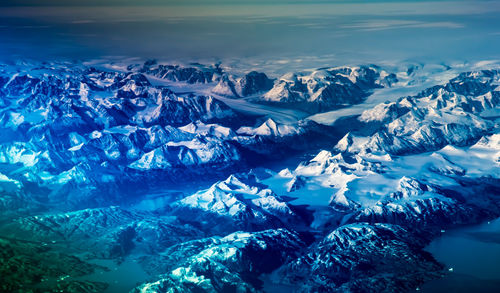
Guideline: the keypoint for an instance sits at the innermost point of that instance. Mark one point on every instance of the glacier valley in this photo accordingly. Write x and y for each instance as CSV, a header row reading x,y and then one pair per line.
x,y
154,177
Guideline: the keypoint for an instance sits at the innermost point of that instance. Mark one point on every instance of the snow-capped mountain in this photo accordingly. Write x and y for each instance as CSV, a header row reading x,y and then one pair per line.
x,y
224,264
237,203
317,91
223,83
415,167
195,73
251,83
352,257
430,189
271,128
330,88
130,167
73,126
457,113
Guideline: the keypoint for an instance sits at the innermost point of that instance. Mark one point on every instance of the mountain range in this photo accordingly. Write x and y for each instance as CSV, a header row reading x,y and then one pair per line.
x,y
173,168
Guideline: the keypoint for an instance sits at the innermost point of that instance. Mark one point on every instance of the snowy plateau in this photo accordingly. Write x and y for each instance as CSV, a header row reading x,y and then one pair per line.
x,y
150,177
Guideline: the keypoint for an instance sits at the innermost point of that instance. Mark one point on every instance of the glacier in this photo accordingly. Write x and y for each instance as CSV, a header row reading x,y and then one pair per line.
x,y
218,180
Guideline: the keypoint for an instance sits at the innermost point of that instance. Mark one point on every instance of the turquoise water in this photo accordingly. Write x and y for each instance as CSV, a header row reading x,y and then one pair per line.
x,y
120,278
472,256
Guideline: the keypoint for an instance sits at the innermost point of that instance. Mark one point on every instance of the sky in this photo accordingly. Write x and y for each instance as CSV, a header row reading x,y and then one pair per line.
x,y
177,2
286,34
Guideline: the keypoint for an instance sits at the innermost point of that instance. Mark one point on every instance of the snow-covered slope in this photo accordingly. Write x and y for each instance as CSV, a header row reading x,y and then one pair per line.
x,y
251,83
361,258
72,126
327,89
158,140
429,160
317,91
224,264
195,73
271,128
456,113
237,203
